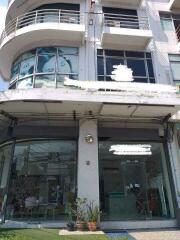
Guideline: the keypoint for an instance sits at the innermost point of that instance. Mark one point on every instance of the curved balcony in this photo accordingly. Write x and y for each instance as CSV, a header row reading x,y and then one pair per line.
x,y
18,7
39,28
125,32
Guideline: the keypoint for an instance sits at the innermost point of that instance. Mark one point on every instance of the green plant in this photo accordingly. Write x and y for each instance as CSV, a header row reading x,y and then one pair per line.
x,y
69,211
80,209
93,212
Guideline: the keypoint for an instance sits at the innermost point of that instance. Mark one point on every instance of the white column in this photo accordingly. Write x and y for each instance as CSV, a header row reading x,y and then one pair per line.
x,y
88,171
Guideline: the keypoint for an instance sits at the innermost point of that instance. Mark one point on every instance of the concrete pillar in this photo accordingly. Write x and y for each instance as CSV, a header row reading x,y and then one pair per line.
x,y
88,170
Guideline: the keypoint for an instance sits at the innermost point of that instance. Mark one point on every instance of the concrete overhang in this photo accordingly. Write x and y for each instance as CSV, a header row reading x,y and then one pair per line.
x,y
37,35
133,39
174,5
69,104
131,3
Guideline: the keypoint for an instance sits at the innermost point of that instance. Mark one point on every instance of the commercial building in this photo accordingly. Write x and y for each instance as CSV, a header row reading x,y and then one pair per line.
x,y
91,111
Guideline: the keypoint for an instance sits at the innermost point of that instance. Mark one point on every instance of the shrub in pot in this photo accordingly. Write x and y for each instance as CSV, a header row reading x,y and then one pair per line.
x,y
80,213
93,214
69,211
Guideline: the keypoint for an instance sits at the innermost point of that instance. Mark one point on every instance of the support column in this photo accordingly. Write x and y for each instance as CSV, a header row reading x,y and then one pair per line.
x,y
88,170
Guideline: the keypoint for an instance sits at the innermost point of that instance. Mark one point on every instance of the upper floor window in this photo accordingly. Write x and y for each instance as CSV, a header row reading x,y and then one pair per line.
x,y
45,67
118,17
175,67
169,22
139,62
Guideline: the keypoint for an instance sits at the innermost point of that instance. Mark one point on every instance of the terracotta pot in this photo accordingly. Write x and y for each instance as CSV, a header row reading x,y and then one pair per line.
x,y
80,226
92,226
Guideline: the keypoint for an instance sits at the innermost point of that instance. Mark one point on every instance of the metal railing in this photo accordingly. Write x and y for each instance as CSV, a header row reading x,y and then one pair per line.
x,y
42,16
178,33
125,21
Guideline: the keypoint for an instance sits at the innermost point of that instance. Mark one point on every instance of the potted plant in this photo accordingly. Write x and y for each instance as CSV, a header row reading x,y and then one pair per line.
x,y
93,214
69,211
80,213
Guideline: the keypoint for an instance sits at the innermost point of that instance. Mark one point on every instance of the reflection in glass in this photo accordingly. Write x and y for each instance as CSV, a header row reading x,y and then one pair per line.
x,y
27,67
25,83
45,81
5,157
67,64
46,63
45,60
42,179
134,181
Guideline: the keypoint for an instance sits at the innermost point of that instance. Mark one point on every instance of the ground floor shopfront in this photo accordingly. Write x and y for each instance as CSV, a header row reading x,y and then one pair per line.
x,y
128,170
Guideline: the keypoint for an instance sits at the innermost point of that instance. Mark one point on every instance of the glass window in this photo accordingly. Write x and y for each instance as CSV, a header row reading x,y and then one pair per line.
x,y
46,63
67,64
27,67
100,65
25,83
150,68
46,50
137,66
45,60
175,66
43,180
5,157
166,21
176,70
44,81
111,62
15,71
134,181
139,62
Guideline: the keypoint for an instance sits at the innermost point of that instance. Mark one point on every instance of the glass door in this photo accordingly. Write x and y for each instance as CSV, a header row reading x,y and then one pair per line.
x,y
134,181
135,198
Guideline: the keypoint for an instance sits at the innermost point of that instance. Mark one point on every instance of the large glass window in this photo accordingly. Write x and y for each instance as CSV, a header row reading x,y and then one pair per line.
x,y
175,67
139,62
169,22
134,181
43,179
45,67
5,157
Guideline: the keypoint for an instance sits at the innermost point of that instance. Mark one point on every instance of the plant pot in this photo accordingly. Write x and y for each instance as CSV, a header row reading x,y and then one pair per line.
x,y
92,226
70,227
80,226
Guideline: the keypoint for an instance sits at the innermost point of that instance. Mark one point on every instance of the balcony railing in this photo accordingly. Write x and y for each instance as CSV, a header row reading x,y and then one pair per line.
x,y
125,21
42,16
178,33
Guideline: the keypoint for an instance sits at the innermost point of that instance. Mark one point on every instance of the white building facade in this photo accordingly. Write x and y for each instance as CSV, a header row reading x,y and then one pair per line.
x,y
92,111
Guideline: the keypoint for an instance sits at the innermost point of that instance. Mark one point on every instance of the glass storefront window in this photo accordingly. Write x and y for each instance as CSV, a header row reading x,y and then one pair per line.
x,y
33,68
134,181
43,180
5,157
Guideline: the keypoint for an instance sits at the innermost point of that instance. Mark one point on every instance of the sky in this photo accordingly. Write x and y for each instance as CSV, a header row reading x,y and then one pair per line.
x,y
3,7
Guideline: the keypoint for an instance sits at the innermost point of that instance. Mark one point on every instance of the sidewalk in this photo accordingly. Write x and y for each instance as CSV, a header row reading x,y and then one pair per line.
x,y
147,235
155,235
